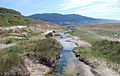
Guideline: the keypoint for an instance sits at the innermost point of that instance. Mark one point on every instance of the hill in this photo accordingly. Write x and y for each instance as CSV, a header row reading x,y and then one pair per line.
x,y
70,19
9,17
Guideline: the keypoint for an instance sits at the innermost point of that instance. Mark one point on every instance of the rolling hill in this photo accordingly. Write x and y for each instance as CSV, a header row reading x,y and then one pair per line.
x,y
9,17
70,19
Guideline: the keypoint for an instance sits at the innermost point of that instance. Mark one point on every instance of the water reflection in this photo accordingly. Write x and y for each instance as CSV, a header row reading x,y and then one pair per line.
x,y
68,64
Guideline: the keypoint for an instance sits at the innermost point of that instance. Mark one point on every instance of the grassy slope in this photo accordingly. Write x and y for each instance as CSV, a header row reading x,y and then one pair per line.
x,y
10,19
110,30
84,35
97,32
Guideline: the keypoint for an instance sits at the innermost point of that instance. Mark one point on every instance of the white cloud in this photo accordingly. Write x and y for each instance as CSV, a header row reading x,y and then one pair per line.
x,y
93,8
75,3
81,3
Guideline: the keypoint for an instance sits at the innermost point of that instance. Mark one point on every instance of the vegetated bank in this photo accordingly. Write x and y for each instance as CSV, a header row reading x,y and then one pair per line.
x,y
31,44
44,51
101,53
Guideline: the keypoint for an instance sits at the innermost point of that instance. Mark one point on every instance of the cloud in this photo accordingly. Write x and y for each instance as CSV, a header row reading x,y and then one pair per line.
x,y
66,5
93,8
74,3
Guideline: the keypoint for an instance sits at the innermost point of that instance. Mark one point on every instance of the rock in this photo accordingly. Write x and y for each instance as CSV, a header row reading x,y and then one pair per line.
x,y
35,68
49,35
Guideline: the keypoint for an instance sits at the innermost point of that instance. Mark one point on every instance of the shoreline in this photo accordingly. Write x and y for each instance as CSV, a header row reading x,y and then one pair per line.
x,y
53,67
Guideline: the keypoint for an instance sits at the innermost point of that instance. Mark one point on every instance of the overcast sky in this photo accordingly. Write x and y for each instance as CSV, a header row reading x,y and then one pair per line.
x,y
107,9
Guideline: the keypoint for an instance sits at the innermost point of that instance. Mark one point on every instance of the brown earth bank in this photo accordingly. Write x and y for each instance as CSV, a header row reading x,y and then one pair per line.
x,y
38,65
82,59
33,67
36,68
102,68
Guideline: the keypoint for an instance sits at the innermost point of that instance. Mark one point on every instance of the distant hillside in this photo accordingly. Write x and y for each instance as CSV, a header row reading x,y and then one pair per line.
x,y
70,19
9,17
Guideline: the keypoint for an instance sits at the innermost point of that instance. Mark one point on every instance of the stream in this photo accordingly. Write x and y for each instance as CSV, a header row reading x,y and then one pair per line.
x,y
68,64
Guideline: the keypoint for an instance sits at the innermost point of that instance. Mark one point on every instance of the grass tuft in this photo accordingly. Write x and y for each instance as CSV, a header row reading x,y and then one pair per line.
x,y
9,61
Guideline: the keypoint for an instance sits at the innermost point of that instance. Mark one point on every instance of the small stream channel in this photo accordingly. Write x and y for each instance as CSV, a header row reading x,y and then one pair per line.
x,y
68,64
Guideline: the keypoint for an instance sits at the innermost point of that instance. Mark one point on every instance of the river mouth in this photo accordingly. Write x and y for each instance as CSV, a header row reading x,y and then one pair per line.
x,y
68,64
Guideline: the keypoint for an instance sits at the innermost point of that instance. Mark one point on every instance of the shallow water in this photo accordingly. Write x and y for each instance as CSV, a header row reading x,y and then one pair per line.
x,y
68,64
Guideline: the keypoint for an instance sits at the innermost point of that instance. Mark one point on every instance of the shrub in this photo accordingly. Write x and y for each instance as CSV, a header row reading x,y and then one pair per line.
x,y
49,35
9,40
47,47
26,20
15,22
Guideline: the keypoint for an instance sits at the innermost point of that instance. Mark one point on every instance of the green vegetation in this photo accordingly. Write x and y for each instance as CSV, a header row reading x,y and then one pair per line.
x,y
47,48
11,40
84,52
24,39
109,50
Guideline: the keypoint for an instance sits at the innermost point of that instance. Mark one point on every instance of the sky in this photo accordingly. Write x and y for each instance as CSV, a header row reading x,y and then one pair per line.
x,y
105,9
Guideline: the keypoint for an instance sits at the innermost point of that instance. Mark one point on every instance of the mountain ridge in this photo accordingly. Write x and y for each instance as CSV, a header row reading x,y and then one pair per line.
x,y
70,19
